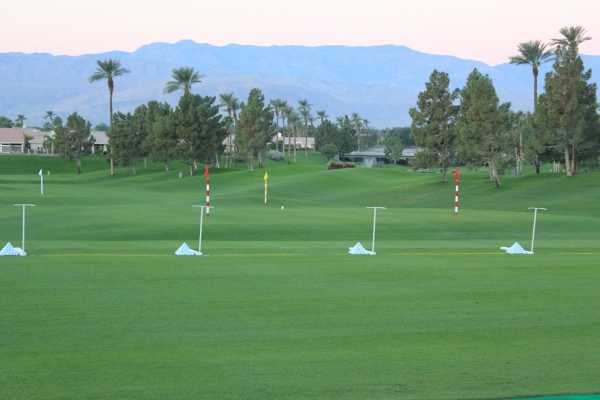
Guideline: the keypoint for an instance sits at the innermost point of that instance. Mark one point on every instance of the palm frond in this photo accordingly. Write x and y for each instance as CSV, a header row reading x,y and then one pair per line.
x,y
108,69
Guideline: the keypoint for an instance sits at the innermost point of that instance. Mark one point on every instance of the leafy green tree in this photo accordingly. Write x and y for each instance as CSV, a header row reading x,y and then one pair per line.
x,y
329,151
326,133
102,127
20,121
126,140
108,70
433,121
423,160
255,127
347,139
6,122
72,139
567,110
183,79
393,147
163,136
403,132
200,129
483,126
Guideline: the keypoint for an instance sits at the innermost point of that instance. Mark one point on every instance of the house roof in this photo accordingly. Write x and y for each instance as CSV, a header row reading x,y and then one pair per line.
x,y
379,151
100,137
11,136
17,135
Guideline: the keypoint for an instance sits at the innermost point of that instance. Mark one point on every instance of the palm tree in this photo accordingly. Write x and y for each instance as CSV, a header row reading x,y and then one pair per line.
x,y
277,105
293,119
20,121
572,38
232,105
304,110
534,53
183,79
108,70
284,110
322,115
357,123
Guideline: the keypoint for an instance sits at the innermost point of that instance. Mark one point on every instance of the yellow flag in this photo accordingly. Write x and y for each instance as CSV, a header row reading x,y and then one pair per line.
x,y
266,187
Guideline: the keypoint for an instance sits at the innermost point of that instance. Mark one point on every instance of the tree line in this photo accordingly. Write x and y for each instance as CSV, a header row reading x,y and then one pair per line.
x,y
202,129
470,126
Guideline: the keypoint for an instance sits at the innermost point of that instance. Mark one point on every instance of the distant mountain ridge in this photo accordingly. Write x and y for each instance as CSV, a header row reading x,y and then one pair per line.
x,y
379,82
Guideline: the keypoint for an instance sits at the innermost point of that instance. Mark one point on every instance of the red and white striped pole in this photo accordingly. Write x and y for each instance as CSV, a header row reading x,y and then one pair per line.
x,y
456,175
207,182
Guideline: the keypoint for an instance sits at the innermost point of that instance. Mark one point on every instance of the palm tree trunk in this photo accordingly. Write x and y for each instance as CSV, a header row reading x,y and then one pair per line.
x,y
110,107
568,162
535,89
306,139
295,146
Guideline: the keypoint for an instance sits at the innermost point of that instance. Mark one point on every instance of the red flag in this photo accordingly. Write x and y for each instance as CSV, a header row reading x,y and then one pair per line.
x,y
206,170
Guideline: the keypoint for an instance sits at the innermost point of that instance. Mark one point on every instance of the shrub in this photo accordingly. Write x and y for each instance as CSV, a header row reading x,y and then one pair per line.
x,y
275,155
340,165
329,151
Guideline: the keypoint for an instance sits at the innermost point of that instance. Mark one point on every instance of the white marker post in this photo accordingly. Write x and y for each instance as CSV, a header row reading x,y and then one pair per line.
x,y
374,225
202,209
535,212
24,207
41,175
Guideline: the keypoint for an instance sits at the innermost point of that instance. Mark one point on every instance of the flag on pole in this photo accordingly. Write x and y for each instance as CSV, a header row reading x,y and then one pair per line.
x,y
456,175
41,175
266,178
207,182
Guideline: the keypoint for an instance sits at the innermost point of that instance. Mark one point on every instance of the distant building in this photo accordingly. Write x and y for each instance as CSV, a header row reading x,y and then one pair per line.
x,y
375,156
23,140
229,144
301,141
100,142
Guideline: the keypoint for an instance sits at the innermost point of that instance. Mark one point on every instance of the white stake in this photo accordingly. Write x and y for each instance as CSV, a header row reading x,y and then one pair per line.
x,y
374,224
535,212
24,207
41,175
202,209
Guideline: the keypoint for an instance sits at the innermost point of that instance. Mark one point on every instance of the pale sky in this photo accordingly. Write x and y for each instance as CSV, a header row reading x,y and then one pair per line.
x,y
486,30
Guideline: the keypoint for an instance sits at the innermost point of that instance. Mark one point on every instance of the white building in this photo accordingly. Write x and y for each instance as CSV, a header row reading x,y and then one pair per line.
x,y
100,142
302,142
23,140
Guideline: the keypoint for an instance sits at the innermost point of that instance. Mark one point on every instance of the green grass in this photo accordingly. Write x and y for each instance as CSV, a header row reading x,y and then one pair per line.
x,y
277,310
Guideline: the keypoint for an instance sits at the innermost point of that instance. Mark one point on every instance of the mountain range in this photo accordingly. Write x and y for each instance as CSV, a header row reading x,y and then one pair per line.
x,y
381,83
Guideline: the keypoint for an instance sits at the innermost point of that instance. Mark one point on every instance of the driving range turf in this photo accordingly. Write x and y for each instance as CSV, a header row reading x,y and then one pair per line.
x,y
276,309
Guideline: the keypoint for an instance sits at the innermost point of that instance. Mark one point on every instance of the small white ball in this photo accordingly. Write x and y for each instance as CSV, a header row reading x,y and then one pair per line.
x,y
282,208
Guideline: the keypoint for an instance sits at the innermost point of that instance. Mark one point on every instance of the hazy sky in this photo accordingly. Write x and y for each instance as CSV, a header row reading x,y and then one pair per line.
x,y
486,30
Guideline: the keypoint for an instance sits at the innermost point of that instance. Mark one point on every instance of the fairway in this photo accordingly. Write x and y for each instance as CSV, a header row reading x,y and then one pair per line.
x,y
277,309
